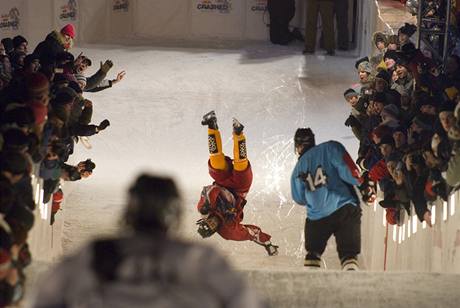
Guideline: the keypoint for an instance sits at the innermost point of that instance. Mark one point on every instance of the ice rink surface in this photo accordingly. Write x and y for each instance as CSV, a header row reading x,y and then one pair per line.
x,y
155,115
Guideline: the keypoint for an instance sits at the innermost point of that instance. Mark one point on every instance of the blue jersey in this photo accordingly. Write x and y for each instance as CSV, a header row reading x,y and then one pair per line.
x,y
322,180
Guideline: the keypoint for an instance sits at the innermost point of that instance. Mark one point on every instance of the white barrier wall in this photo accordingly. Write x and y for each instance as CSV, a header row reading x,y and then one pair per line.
x,y
99,20
45,241
414,246
118,20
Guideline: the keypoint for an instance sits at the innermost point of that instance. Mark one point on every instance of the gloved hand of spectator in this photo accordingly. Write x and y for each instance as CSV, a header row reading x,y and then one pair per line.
x,y
87,103
78,59
352,121
106,66
103,125
435,141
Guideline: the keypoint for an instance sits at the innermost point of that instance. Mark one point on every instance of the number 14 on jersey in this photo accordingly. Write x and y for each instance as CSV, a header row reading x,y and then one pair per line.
x,y
313,183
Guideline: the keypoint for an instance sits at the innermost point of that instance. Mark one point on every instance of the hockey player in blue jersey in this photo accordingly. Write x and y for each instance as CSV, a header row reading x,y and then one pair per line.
x,y
323,181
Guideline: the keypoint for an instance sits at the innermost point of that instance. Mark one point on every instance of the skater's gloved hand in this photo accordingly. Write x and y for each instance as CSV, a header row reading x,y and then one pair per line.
x,y
360,162
207,226
106,66
368,189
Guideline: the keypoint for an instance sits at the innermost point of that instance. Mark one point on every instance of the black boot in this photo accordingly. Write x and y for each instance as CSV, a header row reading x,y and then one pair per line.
x,y
237,127
271,249
210,120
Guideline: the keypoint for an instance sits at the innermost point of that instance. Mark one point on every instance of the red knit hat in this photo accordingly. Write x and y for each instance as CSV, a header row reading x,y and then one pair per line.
x,y
68,30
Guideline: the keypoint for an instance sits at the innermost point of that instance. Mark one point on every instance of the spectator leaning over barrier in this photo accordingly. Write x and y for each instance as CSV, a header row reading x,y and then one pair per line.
x,y
42,114
56,42
97,81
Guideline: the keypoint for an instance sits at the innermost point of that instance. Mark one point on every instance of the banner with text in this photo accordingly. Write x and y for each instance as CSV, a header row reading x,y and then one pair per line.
x,y
218,18
12,18
257,19
120,18
66,12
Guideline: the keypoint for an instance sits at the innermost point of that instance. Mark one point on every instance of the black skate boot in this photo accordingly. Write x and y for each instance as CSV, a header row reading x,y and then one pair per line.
x,y
350,264
237,127
312,261
271,249
210,120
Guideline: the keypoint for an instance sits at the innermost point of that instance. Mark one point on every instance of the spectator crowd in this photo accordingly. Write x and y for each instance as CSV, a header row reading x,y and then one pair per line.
x,y
405,113
43,113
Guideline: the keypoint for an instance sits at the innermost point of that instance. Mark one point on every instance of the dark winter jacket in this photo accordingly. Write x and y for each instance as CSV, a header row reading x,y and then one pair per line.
x,y
416,184
105,84
49,49
23,193
95,81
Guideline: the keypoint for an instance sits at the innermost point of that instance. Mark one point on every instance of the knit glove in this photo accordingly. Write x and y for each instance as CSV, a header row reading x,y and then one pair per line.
x,y
106,66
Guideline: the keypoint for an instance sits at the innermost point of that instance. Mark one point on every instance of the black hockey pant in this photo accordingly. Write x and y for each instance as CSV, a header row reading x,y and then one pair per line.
x,y
345,224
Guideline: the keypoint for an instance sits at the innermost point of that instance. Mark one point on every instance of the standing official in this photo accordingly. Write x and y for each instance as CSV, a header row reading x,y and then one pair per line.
x,y
326,9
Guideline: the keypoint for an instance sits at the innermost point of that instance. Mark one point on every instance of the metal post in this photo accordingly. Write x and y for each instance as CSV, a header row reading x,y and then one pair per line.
x,y
446,33
385,249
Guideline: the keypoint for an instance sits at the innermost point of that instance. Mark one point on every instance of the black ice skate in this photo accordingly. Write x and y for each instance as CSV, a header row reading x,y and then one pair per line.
x,y
210,120
237,127
350,264
312,261
271,249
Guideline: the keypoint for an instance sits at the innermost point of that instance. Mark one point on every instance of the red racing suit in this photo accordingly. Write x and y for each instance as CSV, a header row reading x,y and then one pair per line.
x,y
234,186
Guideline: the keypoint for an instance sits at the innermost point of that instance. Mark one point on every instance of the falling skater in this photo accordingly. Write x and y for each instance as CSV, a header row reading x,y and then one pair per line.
x,y
221,204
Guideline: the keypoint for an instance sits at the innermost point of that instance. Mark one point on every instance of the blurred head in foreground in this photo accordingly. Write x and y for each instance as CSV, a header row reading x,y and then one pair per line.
x,y
154,205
